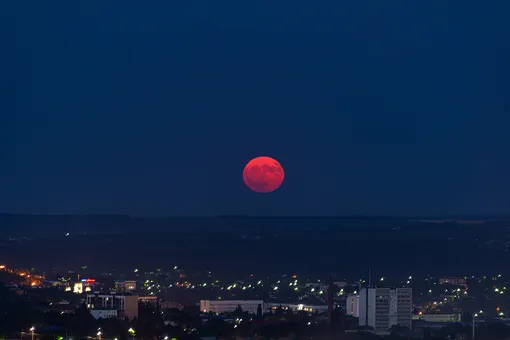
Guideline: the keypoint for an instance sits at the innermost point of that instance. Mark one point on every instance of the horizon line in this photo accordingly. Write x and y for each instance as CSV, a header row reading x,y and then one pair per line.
x,y
339,216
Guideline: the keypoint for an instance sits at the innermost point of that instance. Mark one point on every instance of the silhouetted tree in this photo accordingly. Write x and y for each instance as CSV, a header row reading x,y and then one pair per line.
x,y
149,320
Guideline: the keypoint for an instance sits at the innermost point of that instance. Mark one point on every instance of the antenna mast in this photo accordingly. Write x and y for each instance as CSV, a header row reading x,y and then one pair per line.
x,y
366,296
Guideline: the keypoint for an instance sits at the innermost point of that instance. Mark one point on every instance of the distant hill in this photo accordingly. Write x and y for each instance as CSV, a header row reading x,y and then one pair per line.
x,y
239,244
29,225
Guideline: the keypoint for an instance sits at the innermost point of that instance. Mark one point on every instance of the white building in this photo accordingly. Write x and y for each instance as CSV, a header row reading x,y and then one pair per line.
x,y
125,304
352,306
103,313
383,308
228,306
297,307
443,318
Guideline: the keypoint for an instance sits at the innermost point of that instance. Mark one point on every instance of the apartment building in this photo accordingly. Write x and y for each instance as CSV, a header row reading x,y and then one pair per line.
x,y
126,304
382,308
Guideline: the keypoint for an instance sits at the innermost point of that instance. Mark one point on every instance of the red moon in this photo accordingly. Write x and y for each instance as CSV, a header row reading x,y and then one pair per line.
x,y
263,174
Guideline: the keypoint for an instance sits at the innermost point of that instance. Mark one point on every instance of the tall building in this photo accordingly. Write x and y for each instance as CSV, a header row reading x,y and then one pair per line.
x,y
126,304
382,308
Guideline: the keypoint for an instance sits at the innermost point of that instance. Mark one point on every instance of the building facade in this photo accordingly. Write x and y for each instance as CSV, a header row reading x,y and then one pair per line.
x,y
382,308
455,281
170,304
125,286
126,304
103,313
352,305
229,306
320,309
441,318
148,299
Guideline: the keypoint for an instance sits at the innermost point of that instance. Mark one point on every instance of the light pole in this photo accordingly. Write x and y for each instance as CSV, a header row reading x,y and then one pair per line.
x,y
473,330
132,333
474,318
32,330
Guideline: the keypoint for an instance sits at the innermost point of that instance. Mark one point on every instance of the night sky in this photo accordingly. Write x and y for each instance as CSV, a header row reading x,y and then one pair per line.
x,y
154,107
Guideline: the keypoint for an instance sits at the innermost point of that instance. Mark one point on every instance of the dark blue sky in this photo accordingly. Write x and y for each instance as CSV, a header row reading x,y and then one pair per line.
x,y
154,107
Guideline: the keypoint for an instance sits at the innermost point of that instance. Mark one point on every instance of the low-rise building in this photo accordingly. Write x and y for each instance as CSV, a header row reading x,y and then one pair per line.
x,y
229,306
170,304
297,307
104,313
451,318
148,299
455,281
352,305
122,286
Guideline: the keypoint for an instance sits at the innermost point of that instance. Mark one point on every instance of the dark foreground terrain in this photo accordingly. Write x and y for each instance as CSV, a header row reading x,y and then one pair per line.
x,y
234,246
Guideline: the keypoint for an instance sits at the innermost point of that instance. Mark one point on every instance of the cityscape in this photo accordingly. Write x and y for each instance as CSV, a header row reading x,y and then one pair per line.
x,y
178,303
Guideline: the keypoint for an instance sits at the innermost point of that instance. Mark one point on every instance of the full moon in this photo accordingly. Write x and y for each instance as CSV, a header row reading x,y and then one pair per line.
x,y
263,174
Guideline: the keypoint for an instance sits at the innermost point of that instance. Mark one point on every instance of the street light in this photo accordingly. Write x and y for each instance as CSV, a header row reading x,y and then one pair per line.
x,y
474,320
32,330
131,332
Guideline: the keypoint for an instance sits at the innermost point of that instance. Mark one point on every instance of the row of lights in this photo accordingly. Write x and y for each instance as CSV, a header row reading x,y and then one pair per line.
x,y
131,332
